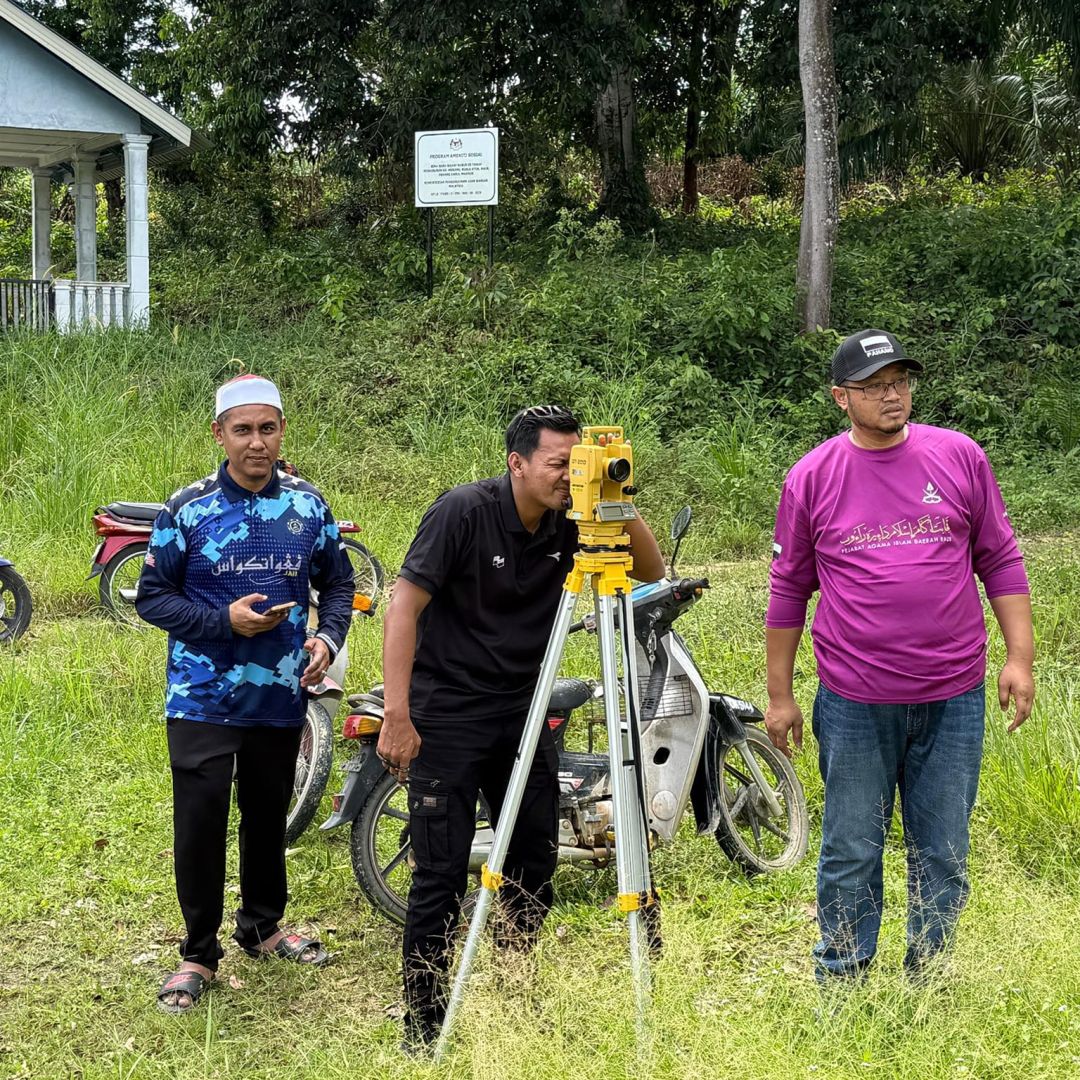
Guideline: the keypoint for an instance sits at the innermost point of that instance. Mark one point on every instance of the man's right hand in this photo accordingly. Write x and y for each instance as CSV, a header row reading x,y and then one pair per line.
x,y
399,743
783,716
248,623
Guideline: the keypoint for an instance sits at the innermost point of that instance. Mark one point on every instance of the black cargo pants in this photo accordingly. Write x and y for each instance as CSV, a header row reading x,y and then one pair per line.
x,y
457,760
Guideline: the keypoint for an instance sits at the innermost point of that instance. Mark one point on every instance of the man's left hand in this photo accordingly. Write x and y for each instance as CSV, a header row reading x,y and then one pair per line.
x,y
1016,682
317,665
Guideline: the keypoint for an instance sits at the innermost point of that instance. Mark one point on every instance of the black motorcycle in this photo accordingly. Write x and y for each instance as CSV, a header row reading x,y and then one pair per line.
x,y
699,749
16,606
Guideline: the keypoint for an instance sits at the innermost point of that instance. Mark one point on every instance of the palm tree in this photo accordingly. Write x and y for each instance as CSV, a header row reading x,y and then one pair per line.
x,y
1015,110
1050,21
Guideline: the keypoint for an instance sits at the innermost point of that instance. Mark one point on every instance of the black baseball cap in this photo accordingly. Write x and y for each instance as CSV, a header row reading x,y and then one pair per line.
x,y
860,355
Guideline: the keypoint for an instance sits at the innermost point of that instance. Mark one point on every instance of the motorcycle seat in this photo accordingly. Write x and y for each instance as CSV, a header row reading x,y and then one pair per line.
x,y
568,694
373,697
137,513
366,703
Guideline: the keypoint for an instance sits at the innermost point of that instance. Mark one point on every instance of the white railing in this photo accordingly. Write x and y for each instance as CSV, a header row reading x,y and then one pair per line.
x,y
89,305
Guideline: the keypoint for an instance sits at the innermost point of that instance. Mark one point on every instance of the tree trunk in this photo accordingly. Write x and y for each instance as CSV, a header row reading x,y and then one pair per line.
x,y
114,202
625,194
693,109
821,210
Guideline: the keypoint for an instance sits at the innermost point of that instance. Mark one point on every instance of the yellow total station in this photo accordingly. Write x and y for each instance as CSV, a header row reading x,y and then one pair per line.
x,y
601,502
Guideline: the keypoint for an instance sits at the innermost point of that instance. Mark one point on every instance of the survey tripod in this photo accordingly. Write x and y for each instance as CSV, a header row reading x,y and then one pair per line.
x,y
601,490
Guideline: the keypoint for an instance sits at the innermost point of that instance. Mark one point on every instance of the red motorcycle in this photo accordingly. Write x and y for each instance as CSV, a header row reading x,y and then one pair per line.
x,y
125,527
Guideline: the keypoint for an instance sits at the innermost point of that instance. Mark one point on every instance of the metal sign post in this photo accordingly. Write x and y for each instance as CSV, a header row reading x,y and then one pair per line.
x,y
456,168
430,215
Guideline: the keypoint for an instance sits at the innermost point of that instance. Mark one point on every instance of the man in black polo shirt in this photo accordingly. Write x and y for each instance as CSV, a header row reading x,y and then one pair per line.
x,y
464,638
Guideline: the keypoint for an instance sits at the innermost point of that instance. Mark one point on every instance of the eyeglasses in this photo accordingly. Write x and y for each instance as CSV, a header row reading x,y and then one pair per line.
x,y
875,391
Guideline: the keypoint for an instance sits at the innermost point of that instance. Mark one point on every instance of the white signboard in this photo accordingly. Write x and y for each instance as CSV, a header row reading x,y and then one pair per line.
x,y
457,168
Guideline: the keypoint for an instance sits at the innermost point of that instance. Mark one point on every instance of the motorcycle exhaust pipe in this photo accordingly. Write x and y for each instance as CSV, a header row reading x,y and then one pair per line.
x,y
481,850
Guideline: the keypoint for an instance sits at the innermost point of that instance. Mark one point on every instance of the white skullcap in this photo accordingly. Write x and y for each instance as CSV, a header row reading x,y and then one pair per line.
x,y
247,390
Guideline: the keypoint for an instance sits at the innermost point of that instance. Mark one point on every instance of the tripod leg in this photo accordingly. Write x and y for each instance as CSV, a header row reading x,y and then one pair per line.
x,y
631,842
491,877
650,914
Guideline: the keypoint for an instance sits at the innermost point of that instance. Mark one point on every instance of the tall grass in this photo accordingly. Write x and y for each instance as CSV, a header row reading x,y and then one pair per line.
x,y
88,419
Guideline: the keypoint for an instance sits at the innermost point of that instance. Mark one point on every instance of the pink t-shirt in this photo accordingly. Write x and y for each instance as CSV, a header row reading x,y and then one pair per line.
x,y
893,540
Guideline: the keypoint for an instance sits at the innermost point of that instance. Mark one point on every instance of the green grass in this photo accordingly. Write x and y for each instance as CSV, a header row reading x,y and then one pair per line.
x,y
386,410
91,925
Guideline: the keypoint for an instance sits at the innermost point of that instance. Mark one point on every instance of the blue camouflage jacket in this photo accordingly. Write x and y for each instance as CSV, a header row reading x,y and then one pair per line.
x,y
215,542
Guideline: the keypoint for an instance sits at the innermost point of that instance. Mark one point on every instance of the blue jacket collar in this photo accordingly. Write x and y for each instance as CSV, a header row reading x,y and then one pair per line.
x,y
235,493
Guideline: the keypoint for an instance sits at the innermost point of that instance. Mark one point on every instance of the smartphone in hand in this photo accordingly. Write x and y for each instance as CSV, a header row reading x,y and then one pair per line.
x,y
276,609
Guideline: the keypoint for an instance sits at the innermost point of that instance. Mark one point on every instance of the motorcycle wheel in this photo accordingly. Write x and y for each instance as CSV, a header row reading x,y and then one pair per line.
x,y
119,582
312,770
747,834
381,845
16,605
367,570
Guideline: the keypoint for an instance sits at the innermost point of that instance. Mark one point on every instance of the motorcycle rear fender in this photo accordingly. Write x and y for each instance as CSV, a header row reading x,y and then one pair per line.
x,y
110,546
330,691
362,773
725,726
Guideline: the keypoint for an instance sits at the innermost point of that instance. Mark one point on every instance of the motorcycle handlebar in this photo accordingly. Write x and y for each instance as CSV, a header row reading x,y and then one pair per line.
x,y
688,587
683,589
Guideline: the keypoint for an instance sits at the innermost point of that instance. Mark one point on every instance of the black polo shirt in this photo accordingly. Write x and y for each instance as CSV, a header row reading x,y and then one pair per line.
x,y
494,590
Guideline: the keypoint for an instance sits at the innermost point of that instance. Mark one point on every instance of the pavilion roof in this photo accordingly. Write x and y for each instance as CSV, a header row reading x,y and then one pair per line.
x,y
171,137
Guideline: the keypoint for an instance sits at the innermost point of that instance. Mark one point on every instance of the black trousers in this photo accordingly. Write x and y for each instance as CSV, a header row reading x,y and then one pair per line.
x,y
202,757
457,760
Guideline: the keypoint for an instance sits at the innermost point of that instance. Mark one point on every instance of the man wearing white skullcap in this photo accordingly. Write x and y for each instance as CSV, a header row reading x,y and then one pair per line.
x,y
230,564
246,390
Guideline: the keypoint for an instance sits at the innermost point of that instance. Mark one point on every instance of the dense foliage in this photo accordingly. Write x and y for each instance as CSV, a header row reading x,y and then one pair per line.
x,y
348,83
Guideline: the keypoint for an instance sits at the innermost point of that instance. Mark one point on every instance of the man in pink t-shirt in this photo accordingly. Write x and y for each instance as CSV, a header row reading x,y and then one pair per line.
x,y
891,522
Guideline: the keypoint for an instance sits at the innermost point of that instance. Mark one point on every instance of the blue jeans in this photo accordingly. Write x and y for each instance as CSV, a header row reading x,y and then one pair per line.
x,y
931,753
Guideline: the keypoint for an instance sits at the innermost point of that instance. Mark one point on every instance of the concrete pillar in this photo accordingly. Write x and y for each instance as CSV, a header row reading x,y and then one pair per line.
x,y
41,222
136,213
64,292
84,192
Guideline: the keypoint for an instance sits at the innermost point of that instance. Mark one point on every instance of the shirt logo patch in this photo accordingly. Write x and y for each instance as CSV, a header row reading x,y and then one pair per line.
x,y
498,562
930,494
927,530
295,526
